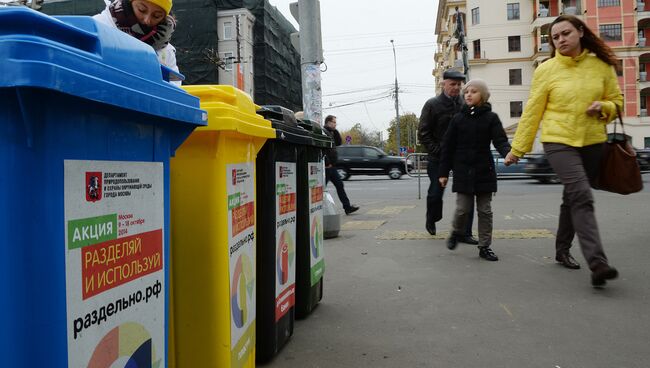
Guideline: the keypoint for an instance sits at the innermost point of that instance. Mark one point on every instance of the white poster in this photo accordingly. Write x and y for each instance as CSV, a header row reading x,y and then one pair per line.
x,y
114,260
285,235
316,179
241,246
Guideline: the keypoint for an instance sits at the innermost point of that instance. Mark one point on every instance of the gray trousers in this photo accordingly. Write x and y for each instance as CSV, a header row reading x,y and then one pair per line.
x,y
464,204
577,168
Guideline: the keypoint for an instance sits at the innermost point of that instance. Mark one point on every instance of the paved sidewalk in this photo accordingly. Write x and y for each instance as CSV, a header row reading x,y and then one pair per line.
x,y
394,302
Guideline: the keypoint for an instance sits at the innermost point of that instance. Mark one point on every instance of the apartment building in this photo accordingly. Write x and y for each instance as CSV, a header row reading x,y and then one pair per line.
x,y
235,34
507,39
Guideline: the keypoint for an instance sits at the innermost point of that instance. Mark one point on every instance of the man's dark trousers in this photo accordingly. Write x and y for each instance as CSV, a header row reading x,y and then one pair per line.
x,y
434,199
331,174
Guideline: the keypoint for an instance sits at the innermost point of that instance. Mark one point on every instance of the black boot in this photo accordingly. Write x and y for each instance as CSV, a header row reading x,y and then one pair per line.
x,y
602,273
452,242
487,253
431,228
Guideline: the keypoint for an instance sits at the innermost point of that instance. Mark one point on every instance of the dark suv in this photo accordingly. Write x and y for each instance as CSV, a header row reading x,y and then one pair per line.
x,y
367,160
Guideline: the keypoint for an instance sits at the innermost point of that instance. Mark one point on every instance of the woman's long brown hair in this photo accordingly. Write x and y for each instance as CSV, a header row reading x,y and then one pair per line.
x,y
589,40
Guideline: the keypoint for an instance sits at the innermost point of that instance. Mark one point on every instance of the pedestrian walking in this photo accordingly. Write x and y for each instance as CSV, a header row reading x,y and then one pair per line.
x,y
149,21
434,120
331,173
466,150
576,94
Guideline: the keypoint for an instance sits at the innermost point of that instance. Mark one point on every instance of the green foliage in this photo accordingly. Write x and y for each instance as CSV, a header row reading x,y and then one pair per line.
x,y
408,125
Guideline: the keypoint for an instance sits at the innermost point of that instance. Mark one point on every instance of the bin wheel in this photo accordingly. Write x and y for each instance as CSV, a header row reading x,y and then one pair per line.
x,y
394,172
344,174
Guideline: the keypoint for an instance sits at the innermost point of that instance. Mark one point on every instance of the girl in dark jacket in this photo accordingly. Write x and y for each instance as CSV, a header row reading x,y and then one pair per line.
x,y
466,151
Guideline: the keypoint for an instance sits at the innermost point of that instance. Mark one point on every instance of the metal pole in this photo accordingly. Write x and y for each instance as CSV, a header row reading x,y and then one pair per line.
x,y
397,138
311,57
460,30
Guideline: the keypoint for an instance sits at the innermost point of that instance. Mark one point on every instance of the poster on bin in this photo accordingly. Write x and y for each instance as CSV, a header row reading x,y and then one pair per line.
x,y
285,233
114,263
316,179
241,247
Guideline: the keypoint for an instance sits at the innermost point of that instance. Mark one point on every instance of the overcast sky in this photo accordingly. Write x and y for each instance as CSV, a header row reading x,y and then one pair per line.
x,y
359,57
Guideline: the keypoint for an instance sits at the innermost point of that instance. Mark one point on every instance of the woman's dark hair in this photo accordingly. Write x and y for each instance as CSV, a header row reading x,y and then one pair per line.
x,y
589,40
329,118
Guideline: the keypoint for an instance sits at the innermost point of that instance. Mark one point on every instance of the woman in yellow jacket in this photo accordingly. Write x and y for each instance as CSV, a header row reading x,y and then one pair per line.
x,y
575,93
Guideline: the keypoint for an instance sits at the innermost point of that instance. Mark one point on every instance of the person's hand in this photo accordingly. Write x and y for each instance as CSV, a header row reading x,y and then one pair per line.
x,y
443,181
595,108
328,166
511,159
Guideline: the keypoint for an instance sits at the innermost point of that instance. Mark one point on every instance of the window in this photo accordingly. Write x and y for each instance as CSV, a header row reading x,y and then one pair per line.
x,y
476,18
513,11
350,151
646,142
515,77
227,30
477,49
228,58
371,153
516,107
619,70
604,3
610,32
514,43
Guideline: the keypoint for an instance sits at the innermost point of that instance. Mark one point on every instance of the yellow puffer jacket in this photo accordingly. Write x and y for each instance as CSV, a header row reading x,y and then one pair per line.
x,y
562,90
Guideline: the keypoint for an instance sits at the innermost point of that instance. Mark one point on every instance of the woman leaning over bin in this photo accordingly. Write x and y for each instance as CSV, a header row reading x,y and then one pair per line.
x,y
575,93
147,20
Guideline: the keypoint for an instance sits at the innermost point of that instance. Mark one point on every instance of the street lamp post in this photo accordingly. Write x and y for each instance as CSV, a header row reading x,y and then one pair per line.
x,y
396,102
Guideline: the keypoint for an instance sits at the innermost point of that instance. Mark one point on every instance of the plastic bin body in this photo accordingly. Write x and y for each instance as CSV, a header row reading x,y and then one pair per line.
x,y
213,237
310,261
68,134
276,231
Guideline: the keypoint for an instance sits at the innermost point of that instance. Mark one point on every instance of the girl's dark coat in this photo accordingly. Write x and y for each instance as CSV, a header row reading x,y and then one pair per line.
x,y
466,149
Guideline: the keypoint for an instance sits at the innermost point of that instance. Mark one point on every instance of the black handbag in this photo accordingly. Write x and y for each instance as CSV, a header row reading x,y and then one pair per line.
x,y
619,169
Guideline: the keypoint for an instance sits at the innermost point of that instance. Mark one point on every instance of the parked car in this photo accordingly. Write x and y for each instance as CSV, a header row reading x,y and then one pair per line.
x,y
517,171
367,160
539,168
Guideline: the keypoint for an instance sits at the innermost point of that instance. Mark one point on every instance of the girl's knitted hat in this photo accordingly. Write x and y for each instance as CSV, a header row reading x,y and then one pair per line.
x,y
481,86
165,4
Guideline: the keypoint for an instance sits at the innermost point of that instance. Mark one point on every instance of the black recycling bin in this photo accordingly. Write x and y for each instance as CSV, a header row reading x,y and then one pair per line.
x,y
310,263
277,183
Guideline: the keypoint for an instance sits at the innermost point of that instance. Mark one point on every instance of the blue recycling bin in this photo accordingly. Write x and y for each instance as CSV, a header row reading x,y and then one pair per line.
x,y
87,128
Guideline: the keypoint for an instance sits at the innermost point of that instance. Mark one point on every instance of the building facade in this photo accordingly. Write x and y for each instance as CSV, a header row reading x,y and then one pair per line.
x,y
235,34
507,39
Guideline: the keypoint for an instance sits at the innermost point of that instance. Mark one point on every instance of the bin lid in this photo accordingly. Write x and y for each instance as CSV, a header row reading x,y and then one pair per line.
x,y
285,124
80,56
231,109
318,134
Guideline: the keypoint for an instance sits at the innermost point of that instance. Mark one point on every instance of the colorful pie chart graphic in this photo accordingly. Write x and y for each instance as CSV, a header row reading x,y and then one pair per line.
x,y
285,256
241,290
128,345
316,238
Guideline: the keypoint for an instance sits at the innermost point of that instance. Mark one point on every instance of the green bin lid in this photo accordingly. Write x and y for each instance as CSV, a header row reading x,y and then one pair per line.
x,y
285,124
319,136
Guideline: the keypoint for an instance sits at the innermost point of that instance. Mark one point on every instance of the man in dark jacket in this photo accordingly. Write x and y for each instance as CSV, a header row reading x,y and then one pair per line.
x,y
331,156
434,120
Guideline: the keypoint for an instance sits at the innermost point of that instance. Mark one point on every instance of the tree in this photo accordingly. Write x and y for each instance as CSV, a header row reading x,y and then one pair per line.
x,y
361,135
408,125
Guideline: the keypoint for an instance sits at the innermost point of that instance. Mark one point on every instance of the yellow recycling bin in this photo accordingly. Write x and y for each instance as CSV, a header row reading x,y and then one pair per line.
x,y
213,233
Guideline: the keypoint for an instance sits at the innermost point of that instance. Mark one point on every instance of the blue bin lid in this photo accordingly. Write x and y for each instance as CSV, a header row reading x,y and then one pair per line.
x,y
80,56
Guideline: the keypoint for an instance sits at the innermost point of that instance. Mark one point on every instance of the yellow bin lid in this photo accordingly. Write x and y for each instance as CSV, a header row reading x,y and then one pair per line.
x,y
230,109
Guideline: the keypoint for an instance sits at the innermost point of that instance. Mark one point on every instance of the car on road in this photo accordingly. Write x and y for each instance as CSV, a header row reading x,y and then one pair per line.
x,y
517,171
539,168
368,160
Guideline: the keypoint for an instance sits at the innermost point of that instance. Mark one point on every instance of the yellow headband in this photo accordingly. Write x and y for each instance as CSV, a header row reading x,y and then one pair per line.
x,y
165,4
